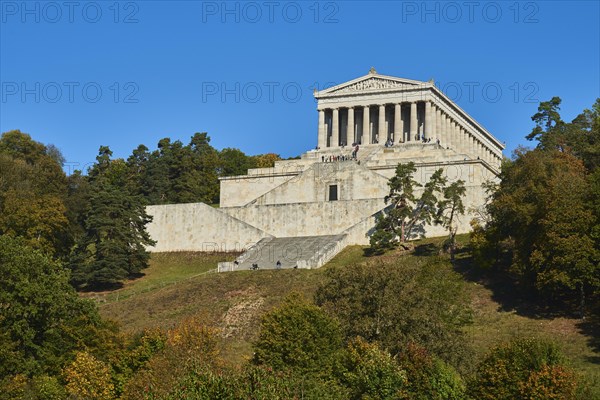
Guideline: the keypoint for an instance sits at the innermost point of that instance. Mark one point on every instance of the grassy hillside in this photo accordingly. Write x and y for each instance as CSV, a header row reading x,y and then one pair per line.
x,y
179,285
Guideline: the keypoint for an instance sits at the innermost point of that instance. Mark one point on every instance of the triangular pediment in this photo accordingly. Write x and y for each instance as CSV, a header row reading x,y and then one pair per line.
x,y
369,83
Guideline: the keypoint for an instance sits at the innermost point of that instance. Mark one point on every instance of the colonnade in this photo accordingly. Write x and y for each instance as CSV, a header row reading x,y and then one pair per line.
x,y
395,123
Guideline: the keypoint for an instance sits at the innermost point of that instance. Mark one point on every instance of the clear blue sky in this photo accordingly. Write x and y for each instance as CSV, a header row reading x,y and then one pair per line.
x,y
162,67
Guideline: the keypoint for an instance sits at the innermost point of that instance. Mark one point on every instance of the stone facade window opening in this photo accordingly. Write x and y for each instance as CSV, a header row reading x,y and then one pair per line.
x,y
333,192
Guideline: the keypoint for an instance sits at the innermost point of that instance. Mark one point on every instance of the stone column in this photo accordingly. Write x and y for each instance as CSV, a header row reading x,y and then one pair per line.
x,y
413,120
366,133
350,129
428,119
381,125
445,133
455,135
451,141
335,129
433,118
398,128
322,142
438,123
467,142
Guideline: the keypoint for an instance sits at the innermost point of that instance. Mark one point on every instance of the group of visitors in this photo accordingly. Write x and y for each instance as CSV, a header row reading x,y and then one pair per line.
x,y
342,157
254,266
335,158
426,140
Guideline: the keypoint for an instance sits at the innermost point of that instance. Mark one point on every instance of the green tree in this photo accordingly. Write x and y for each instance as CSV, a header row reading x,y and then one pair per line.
x,y
549,129
541,210
20,145
41,220
429,378
233,162
113,247
32,193
77,203
406,214
449,210
43,320
298,336
137,166
580,137
395,304
372,373
205,165
176,173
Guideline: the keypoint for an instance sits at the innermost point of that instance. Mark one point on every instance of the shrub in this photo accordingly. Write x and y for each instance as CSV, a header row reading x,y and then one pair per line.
x,y
371,373
429,378
395,304
88,378
298,336
523,369
189,346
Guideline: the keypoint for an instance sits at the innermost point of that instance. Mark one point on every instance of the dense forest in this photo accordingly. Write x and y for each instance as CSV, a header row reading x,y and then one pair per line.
x,y
94,222
371,331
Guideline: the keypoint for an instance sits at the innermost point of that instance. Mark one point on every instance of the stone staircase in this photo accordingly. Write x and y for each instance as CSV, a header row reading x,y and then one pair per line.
x,y
305,252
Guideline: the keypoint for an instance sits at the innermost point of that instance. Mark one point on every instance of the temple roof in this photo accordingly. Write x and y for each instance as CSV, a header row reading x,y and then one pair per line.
x,y
372,82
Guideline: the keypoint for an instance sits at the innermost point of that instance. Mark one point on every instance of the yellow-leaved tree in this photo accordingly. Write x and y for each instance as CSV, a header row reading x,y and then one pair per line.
x,y
88,378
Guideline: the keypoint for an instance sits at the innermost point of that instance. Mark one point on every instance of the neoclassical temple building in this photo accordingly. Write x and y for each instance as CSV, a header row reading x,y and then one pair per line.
x,y
376,108
300,213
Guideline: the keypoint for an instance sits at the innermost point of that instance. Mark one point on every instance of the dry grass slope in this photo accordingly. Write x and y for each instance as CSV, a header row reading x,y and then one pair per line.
x,y
179,285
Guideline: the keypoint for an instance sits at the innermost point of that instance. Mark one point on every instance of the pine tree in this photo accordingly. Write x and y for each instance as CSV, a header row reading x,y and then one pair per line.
x,y
407,214
113,247
449,209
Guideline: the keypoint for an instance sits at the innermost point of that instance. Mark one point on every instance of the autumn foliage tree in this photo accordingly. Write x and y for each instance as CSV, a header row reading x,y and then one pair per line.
x,y
33,191
544,212
88,378
521,370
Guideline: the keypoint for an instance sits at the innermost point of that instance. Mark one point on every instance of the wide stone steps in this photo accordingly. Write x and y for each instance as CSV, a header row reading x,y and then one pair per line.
x,y
291,252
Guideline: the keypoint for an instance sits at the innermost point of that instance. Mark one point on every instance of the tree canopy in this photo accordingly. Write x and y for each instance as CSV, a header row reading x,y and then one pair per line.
x,y
407,214
543,215
42,320
399,305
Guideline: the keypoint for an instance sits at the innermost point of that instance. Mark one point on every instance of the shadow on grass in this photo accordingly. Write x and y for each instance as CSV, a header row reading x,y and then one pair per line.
x,y
426,250
99,288
370,252
112,286
507,292
591,328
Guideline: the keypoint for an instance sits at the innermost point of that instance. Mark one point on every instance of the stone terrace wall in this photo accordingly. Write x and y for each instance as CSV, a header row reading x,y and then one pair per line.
x,y
306,219
199,227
